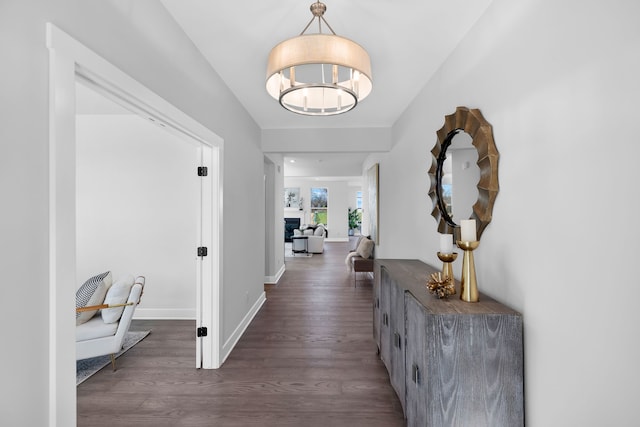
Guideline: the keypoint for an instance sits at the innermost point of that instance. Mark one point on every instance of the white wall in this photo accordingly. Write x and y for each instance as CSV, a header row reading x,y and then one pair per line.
x,y
274,214
326,140
337,201
269,220
559,83
352,189
142,39
137,209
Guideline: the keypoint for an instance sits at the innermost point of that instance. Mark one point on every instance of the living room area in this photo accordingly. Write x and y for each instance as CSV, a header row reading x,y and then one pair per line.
x,y
320,199
321,206
322,210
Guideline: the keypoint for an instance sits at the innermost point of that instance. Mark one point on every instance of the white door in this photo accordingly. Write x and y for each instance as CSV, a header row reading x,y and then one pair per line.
x,y
206,254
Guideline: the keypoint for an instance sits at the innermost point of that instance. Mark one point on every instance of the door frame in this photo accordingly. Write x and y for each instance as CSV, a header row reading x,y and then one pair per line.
x,y
70,60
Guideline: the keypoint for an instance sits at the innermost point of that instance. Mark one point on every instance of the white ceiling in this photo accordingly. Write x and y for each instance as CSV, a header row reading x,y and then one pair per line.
x,y
324,166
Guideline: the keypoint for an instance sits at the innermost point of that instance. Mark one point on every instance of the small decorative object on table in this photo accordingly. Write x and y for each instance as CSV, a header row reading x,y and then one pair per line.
x,y
447,256
447,269
440,285
468,243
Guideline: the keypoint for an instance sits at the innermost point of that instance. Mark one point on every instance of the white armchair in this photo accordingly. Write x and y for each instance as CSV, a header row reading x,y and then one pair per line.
x,y
315,241
98,338
315,244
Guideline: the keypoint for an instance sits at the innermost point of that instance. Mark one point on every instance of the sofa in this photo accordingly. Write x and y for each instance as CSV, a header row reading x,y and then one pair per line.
x,y
108,320
360,257
315,237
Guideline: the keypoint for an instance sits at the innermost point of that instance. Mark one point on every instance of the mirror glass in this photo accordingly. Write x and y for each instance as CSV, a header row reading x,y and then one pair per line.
x,y
459,178
464,172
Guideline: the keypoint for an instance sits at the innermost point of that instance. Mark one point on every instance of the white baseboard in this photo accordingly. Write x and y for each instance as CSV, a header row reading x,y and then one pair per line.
x,y
165,313
272,280
336,239
235,336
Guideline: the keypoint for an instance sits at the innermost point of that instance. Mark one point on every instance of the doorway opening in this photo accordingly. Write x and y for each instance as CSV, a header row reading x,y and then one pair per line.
x,y
70,61
138,207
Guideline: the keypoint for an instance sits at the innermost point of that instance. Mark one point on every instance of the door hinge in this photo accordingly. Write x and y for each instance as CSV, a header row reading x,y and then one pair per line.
x,y
203,171
202,331
202,251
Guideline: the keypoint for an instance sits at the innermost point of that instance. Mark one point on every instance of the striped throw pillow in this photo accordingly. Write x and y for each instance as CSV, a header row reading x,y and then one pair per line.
x,y
92,292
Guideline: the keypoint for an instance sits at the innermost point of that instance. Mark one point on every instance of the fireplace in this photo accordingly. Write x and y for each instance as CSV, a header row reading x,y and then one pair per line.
x,y
290,224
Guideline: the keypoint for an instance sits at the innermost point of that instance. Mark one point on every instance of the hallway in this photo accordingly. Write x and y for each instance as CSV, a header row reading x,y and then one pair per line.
x,y
307,359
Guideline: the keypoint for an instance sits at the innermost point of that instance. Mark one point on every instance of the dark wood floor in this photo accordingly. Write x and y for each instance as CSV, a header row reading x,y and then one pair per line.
x,y
307,359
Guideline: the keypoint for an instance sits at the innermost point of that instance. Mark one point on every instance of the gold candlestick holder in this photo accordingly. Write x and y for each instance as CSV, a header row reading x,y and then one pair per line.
x,y
447,268
468,284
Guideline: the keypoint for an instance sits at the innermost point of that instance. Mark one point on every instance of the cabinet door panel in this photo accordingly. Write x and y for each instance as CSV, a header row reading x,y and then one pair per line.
x,y
479,371
376,309
416,372
385,331
397,328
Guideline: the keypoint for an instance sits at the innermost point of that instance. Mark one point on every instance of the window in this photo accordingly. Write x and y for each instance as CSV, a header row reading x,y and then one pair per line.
x,y
319,206
358,199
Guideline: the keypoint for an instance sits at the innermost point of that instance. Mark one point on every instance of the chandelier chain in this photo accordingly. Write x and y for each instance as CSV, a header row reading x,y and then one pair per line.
x,y
308,25
328,26
317,13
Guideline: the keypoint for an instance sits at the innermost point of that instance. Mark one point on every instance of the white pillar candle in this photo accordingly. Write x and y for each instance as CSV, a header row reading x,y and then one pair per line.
x,y
446,243
468,230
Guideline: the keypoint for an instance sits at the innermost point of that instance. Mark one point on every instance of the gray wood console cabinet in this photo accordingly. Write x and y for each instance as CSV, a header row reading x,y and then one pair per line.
x,y
451,363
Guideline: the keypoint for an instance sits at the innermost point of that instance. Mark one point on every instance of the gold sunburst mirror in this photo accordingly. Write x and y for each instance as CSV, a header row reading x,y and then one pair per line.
x,y
466,138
